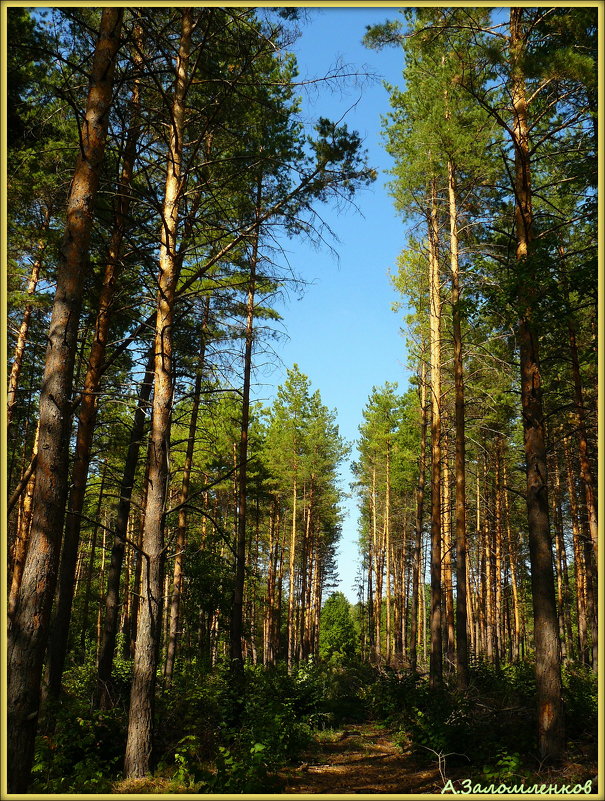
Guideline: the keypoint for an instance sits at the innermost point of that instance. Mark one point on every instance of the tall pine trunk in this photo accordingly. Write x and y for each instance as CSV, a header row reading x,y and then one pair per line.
x,y
436,661
91,565
551,737
460,457
512,560
181,534
112,598
58,642
387,547
137,761
580,413
417,578
236,628
29,629
448,588
292,563
23,533
579,565
15,373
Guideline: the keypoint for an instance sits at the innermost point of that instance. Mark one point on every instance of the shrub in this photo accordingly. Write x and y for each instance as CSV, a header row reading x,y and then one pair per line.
x,y
580,694
83,756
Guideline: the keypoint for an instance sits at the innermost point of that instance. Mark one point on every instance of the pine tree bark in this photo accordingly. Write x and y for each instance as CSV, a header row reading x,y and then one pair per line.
x,y
387,548
269,641
137,761
512,560
378,572
23,534
316,604
560,560
307,575
580,411
498,619
292,565
112,597
181,534
138,567
551,736
448,587
417,582
91,562
579,565
126,604
15,373
370,597
57,651
490,637
460,457
236,628
436,660
28,633
481,568
101,583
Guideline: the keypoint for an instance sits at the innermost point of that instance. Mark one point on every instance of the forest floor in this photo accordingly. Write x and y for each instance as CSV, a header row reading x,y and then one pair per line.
x,y
363,758
367,758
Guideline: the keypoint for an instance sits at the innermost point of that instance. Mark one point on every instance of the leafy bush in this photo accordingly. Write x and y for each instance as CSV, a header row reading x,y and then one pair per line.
x,y
580,694
245,731
505,768
83,756
495,716
337,636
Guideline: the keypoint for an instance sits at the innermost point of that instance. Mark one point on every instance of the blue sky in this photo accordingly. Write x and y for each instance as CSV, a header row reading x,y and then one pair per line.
x,y
342,332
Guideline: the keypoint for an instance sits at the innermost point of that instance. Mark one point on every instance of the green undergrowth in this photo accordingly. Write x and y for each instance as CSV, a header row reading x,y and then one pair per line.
x,y
489,729
215,735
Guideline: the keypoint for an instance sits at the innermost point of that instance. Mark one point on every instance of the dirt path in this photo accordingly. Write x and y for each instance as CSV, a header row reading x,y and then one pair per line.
x,y
361,759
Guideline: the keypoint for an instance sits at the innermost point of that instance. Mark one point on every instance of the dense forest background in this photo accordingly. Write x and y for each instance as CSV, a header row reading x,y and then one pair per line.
x,y
172,542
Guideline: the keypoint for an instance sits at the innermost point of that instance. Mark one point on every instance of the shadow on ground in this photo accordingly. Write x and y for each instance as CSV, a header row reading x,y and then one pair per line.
x,y
364,759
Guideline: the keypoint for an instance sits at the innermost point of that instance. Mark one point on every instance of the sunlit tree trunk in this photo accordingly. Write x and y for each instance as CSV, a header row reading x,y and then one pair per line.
x,y
417,579
370,597
291,591
112,598
236,629
387,547
126,605
498,622
488,546
580,413
57,651
269,642
181,534
436,666
101,583
481,567
460,458
15,373
579,566
551,736
448,588
316,603
91,562
138,567
560,561
23,534
378,568
513,556
29,629
140,718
